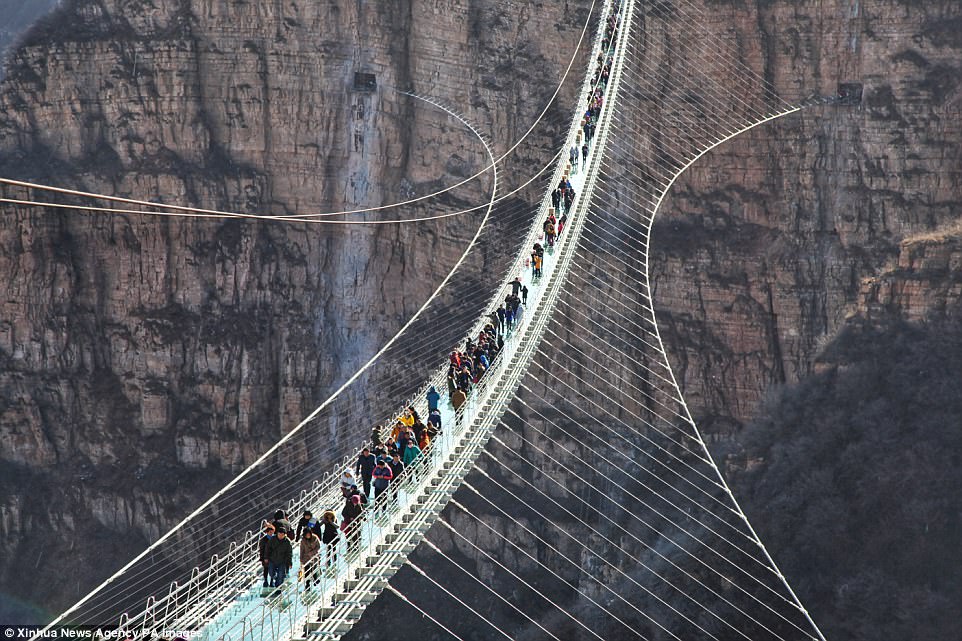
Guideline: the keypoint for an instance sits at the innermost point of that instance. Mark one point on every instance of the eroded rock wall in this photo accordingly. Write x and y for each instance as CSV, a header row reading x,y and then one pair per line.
x,y
762,251
763,244
144,361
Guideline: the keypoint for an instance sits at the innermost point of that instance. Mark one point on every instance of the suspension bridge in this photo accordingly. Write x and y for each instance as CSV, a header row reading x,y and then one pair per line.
x,y
575,453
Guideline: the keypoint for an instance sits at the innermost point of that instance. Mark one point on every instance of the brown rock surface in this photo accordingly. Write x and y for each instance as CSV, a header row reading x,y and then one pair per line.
x,y
925,282
115,352
142,361
764,243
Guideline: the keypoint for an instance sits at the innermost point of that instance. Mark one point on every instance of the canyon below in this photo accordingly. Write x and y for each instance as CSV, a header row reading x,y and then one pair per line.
x,y
806,275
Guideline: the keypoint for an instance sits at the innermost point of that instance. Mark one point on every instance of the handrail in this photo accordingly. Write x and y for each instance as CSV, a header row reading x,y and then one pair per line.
x,y
427,457
187,611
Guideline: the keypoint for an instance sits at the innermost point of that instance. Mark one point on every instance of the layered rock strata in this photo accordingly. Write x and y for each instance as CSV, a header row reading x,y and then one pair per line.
x,y
144,361
764,244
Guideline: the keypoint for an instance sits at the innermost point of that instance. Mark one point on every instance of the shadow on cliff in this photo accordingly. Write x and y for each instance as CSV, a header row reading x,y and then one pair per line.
x,y
852,478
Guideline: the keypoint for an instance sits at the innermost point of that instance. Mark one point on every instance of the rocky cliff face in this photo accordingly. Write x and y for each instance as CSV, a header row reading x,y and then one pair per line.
x,y
170,353
19,15
766,242
763,251
852,475
143,361
924,283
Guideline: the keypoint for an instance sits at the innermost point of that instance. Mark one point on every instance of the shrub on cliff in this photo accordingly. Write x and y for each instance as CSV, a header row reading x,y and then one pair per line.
x,y
853,481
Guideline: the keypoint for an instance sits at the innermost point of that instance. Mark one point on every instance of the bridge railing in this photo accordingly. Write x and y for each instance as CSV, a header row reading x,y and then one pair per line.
x,y
289,606
187,601
197,601
187,604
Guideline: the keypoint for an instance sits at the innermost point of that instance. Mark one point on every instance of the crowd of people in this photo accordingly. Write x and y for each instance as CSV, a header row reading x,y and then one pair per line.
x,y
381,465
376,468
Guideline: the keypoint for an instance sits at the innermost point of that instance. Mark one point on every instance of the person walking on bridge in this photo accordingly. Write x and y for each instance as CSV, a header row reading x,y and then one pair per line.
x,y
377,436
307,521
365,468
569,198
464,376
549,231
402,442
280,521
350,525
411,453
457,402
309,559
434,423
330,535
397,466
382,477
280,557
262,550
433,399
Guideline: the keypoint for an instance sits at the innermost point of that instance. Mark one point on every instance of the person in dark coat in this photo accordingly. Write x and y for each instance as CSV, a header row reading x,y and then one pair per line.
x,y
262,550
434,420
329,535
419,430
464,376
365,467
304,523
584,152
402,441
433,399
515,286
396,465
352,510
379,450
280,521
355,491
280,557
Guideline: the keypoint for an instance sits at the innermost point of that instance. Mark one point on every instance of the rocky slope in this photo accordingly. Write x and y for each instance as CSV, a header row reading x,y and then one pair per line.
x,y
764,250
115,337
924,283
145,360
765,242
870,448
18,15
